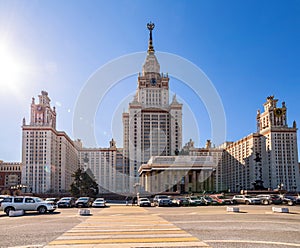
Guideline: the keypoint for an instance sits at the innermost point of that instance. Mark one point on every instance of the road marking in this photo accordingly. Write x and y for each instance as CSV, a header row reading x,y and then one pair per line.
x,y
236,221
129,227
133,232
120,241
253,242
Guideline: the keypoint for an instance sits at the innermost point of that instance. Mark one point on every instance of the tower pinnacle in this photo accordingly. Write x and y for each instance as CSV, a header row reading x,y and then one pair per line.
x,y
150,26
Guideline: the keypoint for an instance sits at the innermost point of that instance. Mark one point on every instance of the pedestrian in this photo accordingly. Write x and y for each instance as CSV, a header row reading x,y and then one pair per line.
x,y
134,201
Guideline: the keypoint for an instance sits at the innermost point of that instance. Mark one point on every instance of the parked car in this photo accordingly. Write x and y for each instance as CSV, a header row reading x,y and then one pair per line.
x,y
26,203
99,203
269,199
180,201
245,199
2,197
52,199
84,202
162,200
207,200
194,201
144,202
221,199
288,200
66,202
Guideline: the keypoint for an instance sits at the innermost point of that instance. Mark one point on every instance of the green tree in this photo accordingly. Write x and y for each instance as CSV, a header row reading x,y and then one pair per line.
x,y
84,184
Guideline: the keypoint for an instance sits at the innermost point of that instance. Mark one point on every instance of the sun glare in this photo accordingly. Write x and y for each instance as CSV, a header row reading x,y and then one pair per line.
x,y
10,69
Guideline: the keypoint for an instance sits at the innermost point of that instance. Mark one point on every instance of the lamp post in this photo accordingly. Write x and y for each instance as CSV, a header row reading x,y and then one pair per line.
x,y
136,190
280,188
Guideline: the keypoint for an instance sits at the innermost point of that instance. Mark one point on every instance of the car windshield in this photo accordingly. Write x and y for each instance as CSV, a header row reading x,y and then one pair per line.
x,y
99,200
275,196
65,199
38,199
163,197
83,198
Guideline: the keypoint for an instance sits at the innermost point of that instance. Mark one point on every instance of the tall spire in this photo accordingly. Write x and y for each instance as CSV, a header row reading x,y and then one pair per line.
x,y
150,26
151,64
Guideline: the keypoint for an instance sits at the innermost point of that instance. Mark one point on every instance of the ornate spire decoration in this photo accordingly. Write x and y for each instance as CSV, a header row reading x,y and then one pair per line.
x,y
150,26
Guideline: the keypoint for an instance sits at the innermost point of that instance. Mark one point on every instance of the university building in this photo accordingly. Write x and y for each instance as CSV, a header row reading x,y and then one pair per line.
x,y
107,167
181,174
152,155
10,176
267,158
152,126
49,157
278,143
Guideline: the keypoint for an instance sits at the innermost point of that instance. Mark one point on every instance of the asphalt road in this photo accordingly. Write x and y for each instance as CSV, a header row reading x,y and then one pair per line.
x,y
253,226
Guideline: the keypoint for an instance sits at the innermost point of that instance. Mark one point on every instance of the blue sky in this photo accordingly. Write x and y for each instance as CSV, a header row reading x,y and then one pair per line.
x,y
248,49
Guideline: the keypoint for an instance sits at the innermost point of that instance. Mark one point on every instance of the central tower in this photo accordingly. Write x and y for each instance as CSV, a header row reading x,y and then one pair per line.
x,y
152,126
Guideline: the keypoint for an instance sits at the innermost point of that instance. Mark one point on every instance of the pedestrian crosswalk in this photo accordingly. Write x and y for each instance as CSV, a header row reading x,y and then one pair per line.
x,y
121,226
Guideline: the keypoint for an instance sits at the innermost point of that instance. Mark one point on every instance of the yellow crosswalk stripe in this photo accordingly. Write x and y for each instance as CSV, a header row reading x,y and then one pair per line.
x,y
120,241
126,226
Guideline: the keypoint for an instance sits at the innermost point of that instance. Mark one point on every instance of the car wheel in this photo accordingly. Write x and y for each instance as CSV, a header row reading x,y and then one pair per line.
x,y
7,210
265,202
290,203
42,210
247,202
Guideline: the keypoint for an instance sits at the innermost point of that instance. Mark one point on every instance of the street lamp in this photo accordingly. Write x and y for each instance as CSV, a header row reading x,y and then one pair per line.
x,y
135,186
280,187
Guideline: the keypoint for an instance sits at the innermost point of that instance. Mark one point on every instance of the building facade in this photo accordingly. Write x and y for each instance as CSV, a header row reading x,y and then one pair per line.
x,y
181,174
152,140
10,176
49,157
238,168
279,149
265,159
216,154
152,126
106,166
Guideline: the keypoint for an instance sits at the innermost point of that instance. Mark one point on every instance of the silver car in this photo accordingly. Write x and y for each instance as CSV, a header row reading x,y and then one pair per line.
x,y
246,199
26,203
99,203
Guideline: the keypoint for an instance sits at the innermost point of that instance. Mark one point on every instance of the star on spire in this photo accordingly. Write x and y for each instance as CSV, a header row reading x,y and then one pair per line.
x,y
150,26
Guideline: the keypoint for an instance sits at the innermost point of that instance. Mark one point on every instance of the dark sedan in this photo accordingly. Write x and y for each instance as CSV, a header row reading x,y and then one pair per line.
x,y
289,200
66,202
84,202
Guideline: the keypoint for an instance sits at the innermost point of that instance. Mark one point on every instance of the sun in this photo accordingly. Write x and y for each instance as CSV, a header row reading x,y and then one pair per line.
x,y
10,69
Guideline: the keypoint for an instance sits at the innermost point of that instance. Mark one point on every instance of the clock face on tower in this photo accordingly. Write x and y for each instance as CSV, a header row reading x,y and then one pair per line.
x,y
278,112
153,81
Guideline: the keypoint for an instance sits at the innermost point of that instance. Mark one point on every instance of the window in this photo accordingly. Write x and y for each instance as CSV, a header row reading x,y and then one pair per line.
x,y
29,200
18,200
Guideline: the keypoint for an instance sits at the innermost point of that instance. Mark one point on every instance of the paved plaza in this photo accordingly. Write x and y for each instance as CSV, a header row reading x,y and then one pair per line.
x,y
132,226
